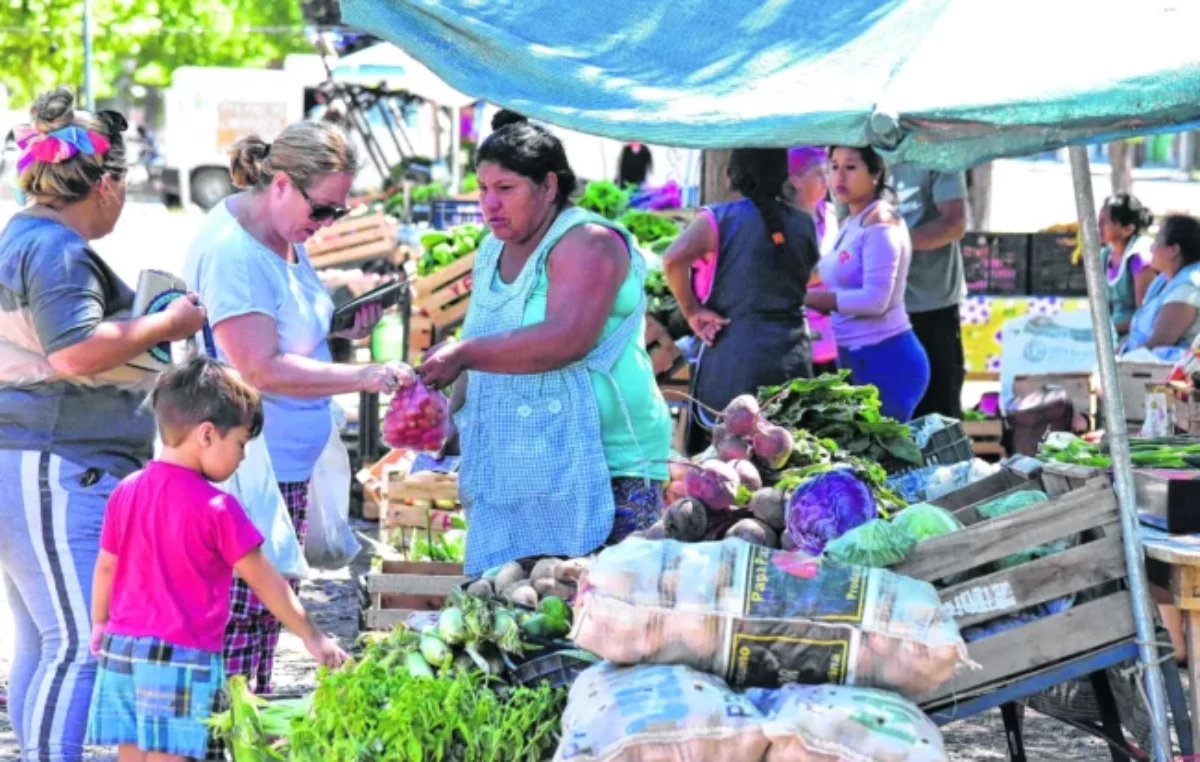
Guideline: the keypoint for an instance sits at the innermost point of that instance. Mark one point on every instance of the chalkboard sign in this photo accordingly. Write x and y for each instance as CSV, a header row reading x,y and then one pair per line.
x,y
996,263
1051,270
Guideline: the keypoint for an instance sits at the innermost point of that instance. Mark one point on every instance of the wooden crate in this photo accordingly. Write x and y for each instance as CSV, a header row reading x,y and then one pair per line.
x,y
420,336
354,240
985,438
1101,617
444,295
409,506
374,481
665,357
1134,378
401,588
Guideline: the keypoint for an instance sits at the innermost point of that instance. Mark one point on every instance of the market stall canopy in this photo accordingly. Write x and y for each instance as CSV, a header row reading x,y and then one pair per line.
x,y
397,70
945,83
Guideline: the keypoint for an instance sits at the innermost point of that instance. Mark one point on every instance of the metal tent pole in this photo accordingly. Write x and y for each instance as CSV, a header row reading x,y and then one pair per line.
x,y
1118,442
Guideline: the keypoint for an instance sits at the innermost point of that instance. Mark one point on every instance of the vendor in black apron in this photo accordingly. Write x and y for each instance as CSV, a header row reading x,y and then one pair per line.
x,y
740,272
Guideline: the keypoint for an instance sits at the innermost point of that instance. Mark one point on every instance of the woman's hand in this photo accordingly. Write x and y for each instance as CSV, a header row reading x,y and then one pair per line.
x,y
364,321
443,364
185,316
385,379
706,324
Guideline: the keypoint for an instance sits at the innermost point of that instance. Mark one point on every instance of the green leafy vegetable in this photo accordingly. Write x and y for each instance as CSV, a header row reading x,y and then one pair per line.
x,y
604,198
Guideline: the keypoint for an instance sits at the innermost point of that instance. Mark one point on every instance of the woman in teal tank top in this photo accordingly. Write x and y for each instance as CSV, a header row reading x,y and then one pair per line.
x,y
563,431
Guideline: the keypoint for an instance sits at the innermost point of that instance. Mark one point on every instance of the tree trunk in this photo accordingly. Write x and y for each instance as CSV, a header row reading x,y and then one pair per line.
x,y
1120,158
714,184
979,198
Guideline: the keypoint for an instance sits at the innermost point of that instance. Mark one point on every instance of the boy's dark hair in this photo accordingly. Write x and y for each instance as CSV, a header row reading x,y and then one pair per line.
x,y
204,390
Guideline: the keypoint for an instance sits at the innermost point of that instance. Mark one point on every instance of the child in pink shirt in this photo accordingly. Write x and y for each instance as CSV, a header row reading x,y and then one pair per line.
x,y
168,550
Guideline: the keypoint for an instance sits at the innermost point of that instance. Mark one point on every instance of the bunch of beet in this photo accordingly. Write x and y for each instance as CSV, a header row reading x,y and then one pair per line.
x,y
702,496
417,418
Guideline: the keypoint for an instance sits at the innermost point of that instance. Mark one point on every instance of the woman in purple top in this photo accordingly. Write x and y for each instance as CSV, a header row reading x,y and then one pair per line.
x,y
865,275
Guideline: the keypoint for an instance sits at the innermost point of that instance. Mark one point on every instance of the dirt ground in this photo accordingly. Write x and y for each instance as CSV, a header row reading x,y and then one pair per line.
x,y
334,601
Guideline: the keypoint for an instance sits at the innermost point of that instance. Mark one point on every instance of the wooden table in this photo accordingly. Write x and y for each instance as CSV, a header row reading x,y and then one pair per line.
x,y
1181,553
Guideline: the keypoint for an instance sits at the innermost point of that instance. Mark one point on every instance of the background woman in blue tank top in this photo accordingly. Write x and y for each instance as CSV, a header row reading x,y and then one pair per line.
x,y
752,320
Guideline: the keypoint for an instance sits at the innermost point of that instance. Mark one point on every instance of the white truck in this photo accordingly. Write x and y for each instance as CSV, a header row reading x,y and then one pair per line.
x,y
208,109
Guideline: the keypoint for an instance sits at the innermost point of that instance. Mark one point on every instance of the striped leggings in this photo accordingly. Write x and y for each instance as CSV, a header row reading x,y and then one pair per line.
x,y
51,513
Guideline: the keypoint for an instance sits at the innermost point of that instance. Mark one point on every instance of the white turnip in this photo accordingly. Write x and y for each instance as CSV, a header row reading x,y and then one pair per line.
x,y
741,415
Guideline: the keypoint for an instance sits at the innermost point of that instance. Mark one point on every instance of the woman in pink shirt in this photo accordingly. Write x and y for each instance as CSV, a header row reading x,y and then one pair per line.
x,y
865,274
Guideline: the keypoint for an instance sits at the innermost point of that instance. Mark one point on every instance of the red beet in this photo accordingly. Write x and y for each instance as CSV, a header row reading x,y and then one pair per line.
x,y
741,416
733,448
715,484
773,444
748,475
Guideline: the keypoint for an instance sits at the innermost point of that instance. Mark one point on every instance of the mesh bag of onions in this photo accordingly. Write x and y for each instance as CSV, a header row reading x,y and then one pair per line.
x,y
763,618
418,418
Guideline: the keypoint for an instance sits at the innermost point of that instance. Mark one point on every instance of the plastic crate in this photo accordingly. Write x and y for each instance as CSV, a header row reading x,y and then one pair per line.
x,y
559,669
1051,271
947,446
996,263
447,213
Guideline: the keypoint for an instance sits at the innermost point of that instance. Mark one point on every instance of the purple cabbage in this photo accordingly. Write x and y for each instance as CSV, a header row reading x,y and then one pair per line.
x,y
826,506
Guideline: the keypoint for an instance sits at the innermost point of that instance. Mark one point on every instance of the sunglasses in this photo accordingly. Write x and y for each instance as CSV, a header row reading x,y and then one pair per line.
x,y
321,212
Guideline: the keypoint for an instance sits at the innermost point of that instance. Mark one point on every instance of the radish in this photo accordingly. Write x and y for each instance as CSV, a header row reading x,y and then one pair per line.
x,y
748,475
733,448
773,444
685,520
416,419
677,470
754,532
767,504
741,415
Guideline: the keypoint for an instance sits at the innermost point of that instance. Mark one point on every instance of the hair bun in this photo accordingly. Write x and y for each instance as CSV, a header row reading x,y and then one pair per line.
x,y
504,117
53,110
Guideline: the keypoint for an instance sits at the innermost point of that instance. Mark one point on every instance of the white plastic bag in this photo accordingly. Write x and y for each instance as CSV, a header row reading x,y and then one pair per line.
x,y
330,542
255,487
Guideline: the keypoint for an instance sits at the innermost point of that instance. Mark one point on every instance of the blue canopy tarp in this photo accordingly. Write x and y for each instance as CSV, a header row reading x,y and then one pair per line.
x,y
945,83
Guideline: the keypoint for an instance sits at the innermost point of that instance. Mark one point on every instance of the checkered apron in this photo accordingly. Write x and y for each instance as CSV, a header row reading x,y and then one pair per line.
x,y
534,479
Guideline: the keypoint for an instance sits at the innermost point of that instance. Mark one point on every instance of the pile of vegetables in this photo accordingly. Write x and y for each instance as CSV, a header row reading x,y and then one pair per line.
x,y
387,706
1150,452
417,418
605,198
449,547
444,247
659,298
546,580
830,408
649,228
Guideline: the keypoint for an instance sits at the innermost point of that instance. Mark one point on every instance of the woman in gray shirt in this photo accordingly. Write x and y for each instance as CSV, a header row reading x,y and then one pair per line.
x,y
71,417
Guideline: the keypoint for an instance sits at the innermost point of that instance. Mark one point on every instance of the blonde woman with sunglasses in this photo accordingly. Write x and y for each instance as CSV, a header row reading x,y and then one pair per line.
x,y
271,320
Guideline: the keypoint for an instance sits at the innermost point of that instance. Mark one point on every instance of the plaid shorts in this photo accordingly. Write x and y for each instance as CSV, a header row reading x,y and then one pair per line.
x,y
639,504
154,695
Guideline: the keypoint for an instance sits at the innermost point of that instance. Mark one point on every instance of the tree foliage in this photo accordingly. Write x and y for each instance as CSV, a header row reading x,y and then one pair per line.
x,y
41,41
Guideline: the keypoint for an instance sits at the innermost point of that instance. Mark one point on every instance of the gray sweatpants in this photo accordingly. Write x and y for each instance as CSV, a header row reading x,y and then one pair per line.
x,y
51,513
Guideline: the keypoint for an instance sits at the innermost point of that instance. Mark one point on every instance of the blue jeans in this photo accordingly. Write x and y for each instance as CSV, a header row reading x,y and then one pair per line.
x,y
51,511
898,367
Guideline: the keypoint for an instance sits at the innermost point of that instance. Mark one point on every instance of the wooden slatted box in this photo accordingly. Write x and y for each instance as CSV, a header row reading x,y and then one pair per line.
x,y
354,240
1082,505
444,295
401,588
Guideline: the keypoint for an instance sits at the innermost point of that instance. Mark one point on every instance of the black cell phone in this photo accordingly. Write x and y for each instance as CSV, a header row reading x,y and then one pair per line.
x,y
387,295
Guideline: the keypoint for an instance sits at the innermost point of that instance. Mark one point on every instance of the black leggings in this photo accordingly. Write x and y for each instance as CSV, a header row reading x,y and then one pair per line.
x,y
940,332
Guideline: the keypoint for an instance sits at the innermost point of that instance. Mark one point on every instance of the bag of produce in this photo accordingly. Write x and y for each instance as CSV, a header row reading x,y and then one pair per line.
x,y
418,418
830,723
762,618
652,713
878,544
